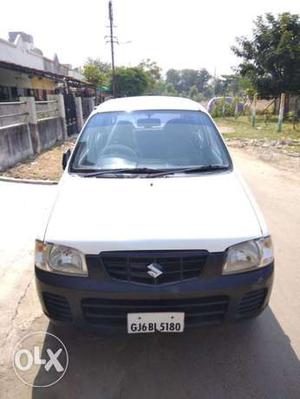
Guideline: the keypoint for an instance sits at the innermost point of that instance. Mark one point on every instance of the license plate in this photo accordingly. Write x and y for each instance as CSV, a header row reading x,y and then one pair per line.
x,y
155,322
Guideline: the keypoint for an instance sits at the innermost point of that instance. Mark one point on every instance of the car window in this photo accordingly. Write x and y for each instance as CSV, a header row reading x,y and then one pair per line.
x,y
150,139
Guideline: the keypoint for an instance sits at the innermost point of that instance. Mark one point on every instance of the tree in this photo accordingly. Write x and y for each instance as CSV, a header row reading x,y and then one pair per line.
x,y
96,72
183,80
165,89
153,72
103,67
131,81
219,88
194,93
202,79
271,59
92,74
231,85
169,90
152,69
173,78
187,80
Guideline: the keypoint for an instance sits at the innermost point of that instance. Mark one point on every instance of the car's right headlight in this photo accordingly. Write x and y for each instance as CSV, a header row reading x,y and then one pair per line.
x,y
249,255
59,259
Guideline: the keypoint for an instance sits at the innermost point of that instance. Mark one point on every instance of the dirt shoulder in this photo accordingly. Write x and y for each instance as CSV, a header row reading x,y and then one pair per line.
x,y
270,155
46,166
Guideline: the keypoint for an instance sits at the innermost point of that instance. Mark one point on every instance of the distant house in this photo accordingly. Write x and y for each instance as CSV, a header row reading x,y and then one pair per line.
x,y
25,71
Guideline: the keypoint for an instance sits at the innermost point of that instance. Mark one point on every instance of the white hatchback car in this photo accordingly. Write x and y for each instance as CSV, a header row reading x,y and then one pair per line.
x,y
152,228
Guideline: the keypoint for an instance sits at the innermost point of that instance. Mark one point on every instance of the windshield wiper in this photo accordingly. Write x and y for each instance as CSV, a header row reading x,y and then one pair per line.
x,y
150,172
115,172
194,169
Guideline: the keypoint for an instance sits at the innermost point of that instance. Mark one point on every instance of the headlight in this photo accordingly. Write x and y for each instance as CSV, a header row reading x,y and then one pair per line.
x,y
249,255
59,259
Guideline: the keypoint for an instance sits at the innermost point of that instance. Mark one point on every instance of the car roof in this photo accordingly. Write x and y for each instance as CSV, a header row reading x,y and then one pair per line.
x,y
142,103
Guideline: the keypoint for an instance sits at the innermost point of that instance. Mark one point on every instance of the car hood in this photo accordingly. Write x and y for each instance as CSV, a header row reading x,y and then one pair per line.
x,y
209,211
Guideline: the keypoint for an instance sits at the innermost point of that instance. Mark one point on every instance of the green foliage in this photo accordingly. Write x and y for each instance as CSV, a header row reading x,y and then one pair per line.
x,y
146,78
96,72
229,109
223,109
232,85
131,81
271,59
162,88
104,67
167,89
92,74
293,118
241,129
217,111
268,114
173,78
183,80
199,84
194,93
153,72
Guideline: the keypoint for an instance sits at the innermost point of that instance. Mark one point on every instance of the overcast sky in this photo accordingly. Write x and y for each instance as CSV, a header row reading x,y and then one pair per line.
x,y
175,33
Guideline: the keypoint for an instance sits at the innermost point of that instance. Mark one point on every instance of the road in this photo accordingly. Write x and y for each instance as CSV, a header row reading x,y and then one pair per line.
x,y
257,359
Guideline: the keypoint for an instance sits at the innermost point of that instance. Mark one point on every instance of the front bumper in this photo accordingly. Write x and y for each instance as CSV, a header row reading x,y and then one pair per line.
x,y
104,304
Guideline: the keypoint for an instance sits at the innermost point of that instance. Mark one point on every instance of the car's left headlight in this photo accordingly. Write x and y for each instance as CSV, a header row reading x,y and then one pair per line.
x,y
59,259
249,255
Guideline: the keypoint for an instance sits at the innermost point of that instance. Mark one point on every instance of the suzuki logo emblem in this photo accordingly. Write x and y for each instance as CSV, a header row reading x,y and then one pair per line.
x,y
153,270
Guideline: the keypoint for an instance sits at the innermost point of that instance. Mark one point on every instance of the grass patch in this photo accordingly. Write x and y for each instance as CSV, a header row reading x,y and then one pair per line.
x,y
242,129
293,148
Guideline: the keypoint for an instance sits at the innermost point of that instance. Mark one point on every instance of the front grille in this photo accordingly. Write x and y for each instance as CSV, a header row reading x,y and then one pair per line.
x,y
252,302
114,311
174,265
57,307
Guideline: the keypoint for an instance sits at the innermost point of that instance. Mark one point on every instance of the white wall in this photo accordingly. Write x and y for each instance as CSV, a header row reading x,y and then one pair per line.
x,y
18,53
76,74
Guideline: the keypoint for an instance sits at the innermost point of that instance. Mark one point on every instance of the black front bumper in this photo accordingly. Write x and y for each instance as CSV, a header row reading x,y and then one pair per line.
x,y
105,303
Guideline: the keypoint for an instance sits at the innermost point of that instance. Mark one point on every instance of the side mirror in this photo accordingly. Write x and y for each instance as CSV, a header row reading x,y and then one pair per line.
x,y
65,158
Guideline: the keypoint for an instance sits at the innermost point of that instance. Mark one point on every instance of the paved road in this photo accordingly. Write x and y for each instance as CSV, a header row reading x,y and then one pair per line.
x,y
258,359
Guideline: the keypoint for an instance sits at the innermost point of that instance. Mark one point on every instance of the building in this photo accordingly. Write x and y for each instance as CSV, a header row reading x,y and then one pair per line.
x,y
42,102
25,71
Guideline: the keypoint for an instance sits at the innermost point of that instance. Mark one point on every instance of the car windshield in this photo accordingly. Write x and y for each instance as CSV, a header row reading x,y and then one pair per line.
x,y
150,141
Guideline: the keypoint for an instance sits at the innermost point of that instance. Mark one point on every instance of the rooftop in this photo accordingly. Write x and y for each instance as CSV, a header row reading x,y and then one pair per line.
x,y
150,102
19,50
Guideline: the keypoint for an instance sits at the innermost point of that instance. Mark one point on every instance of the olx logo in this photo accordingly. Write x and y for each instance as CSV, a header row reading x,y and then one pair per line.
x,y
36,359
40,359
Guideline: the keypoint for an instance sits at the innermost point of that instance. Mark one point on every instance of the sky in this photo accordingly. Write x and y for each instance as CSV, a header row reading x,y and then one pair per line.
x,y
174,33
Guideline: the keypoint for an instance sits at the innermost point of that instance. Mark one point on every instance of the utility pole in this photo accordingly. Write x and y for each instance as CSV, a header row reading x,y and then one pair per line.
x,y
111,22
281,113
253,116
215,81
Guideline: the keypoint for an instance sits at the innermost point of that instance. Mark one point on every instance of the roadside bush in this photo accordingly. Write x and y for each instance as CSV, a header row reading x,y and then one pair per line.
x,y
223,109
268,114
293,118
